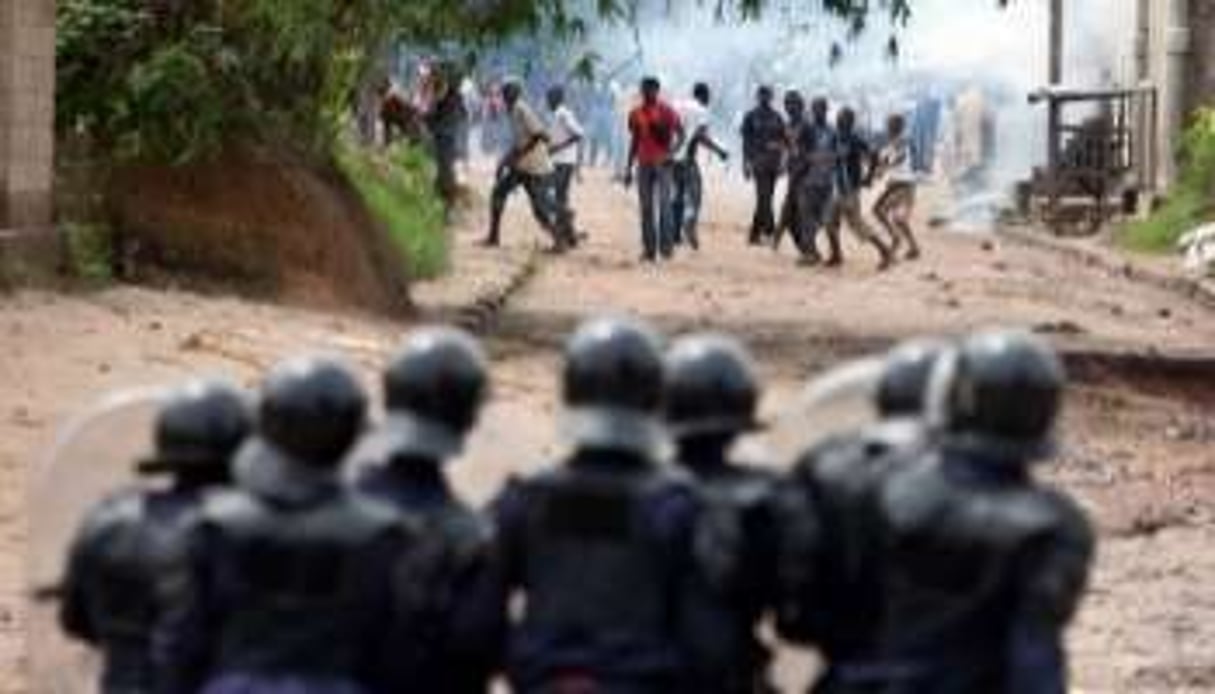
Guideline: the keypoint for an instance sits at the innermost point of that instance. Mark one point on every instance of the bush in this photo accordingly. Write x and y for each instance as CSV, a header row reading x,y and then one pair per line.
x,y
398,189
89,251
1192,200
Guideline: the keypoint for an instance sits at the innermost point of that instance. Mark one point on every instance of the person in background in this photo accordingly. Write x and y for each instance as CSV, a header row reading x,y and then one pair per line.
x,y
447,122
689,181
565,146
657,133
527,164
764,145
896,205
853,172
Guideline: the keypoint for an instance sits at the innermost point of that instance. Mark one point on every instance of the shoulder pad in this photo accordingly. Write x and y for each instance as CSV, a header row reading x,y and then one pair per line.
x,y
125,506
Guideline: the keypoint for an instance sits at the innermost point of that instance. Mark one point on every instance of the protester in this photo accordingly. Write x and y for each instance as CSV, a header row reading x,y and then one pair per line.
x,y
853,171
565,146
896,205
764,145
657,133
689,180
527,164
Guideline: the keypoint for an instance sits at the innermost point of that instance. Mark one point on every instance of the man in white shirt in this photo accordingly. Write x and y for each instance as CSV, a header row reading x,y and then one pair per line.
x,y
689,184
527,164
565,144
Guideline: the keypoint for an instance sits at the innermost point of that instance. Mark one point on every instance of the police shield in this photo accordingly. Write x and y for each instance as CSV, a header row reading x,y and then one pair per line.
x,y
93,456
839,401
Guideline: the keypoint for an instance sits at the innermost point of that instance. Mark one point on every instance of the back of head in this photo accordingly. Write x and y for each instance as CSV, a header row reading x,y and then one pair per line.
x,y
906,373
1004,396
312,410
711,388
439,375
613,363
198,431
701,93
556,96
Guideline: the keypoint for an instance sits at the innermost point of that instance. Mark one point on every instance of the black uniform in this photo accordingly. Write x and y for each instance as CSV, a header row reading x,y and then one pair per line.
x,y
984,566
292,582
435,387
129,549
831,557
599,547
712,395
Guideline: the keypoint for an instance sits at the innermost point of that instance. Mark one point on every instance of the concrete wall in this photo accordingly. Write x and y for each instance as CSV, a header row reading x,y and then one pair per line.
x,y
27,112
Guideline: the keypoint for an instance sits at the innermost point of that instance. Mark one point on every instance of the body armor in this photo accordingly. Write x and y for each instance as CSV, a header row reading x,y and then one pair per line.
x,y
735,554
118,582
284,591
984,571
599,547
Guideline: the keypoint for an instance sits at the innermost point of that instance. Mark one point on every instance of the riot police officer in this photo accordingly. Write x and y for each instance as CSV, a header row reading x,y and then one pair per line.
x,y
290,582
830,560
985,566
434,389
598,547
127,548
712,397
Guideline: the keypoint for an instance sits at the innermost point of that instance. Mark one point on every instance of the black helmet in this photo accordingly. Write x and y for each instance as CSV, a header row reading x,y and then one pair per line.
x,y
1004,395
613,384
312,410
199,429
906,373
711,387
434,389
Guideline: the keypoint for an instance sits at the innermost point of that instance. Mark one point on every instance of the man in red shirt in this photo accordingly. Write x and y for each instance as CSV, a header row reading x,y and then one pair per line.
x,y
657,133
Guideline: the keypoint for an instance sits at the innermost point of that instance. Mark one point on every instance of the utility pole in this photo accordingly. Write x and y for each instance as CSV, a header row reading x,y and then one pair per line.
x,y
1054,115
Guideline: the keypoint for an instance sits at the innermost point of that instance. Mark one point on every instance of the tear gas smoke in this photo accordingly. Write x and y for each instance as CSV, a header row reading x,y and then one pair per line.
x,y
976,61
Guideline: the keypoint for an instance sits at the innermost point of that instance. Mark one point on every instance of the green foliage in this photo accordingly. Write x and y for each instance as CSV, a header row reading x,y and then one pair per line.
x,y
90,251
398,189
1192,200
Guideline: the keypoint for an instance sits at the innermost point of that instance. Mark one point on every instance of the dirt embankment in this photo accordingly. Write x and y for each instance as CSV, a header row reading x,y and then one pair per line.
x,y
267,224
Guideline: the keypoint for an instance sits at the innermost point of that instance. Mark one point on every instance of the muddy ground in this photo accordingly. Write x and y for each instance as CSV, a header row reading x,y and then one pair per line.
x,y
1138,436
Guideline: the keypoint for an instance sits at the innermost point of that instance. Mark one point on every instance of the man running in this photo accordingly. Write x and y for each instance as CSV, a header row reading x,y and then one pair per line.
x,y
853,171
565,142
689,183
527,164
763,135
657,133
897,203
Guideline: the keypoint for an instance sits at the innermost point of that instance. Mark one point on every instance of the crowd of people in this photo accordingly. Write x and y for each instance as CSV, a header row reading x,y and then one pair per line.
x,y
298,550
828,164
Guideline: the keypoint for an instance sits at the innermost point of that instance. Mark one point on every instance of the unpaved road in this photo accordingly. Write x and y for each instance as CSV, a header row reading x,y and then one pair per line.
x,y
1139,442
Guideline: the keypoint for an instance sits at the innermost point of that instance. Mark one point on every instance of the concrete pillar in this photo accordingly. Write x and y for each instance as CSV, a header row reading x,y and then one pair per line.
x,y
1177,45
27,112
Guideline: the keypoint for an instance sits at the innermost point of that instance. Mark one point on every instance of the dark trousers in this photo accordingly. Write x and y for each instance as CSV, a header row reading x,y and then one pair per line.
x,y
654,188
563,181
763,223
540,194
689,192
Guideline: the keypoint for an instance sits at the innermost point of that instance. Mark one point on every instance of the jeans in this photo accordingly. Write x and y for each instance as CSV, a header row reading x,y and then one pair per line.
x,y
763,224
654,187
689,192
540,194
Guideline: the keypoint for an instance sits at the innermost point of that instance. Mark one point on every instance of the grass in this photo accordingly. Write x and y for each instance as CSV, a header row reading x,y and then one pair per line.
x,y
89,249
1190,203
398,189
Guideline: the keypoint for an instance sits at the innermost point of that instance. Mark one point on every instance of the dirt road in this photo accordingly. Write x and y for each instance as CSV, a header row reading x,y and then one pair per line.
x,y
1138,440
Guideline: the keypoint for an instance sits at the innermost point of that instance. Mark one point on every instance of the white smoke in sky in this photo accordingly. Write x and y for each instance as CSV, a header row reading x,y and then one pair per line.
x,y
949,47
